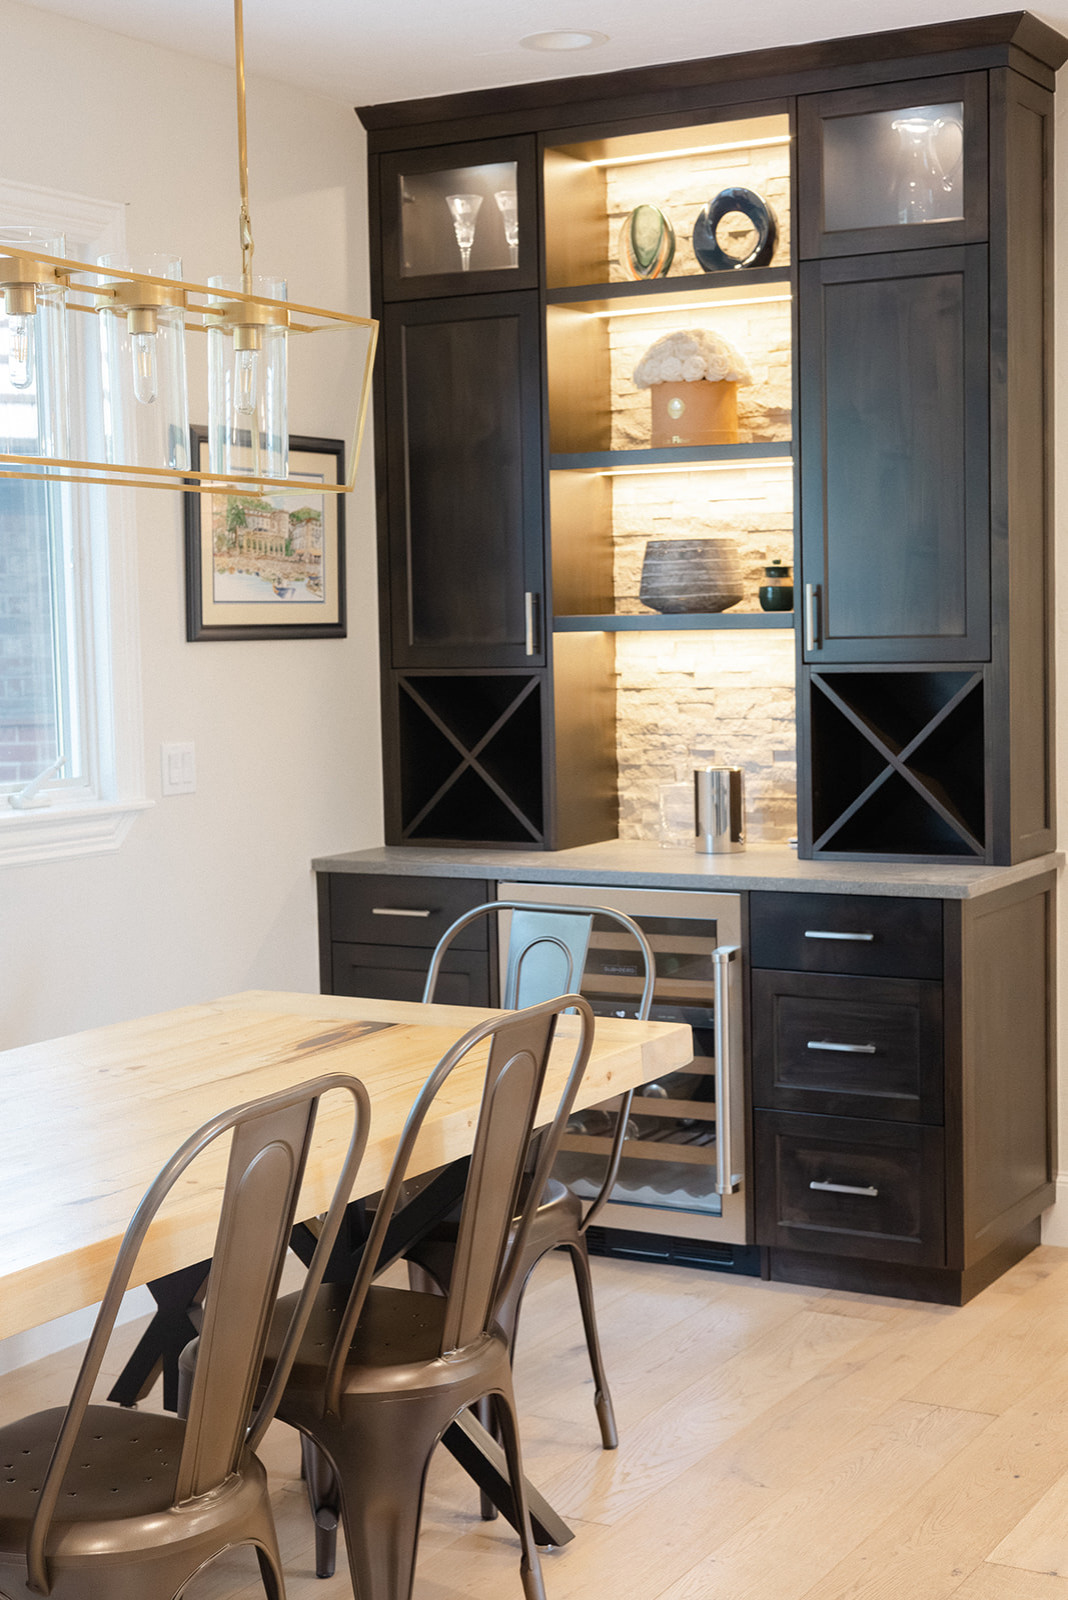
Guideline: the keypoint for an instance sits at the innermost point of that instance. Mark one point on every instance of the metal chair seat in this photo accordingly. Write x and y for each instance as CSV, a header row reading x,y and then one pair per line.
x,y
130,1452
397,1340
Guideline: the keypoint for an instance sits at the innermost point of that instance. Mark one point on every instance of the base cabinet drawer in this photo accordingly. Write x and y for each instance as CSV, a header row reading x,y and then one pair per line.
x,y
876,936
850,1187
397,973
842,1046
379,909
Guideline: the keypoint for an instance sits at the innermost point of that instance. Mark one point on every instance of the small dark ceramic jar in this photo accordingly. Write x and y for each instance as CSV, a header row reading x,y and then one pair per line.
x,y
776,593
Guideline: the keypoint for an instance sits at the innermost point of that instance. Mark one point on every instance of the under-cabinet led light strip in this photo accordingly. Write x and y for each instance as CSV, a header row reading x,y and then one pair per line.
x,y
699,305
693,150
699,466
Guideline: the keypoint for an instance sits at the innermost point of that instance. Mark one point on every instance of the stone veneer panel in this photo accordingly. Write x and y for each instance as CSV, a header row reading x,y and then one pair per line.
x,y
710,699
723,698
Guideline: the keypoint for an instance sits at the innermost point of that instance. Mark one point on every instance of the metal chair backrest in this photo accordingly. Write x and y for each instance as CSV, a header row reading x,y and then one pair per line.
x,y
519,1047
268,1151
547,949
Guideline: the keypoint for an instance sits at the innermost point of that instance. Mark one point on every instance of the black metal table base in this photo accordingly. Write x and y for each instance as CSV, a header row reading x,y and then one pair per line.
x,y
177,1298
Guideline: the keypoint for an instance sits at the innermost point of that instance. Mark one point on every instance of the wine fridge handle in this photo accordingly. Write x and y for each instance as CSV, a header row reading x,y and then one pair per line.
x,y
727,1180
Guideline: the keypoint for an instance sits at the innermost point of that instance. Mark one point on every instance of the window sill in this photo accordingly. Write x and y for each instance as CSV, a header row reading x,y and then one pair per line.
x,y
57,832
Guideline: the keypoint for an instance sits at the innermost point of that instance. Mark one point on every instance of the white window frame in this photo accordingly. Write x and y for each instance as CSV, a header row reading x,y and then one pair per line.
x,y
92,816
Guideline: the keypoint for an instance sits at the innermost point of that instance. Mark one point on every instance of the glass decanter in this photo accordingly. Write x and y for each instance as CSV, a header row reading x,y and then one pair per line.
x,y
923,179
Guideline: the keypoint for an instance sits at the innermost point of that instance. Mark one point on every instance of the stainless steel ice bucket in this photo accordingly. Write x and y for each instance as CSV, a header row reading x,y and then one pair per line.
x,y
719,809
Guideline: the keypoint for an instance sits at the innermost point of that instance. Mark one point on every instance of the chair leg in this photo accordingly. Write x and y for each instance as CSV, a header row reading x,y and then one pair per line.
x,y
271,1575
602,1399
483,1410
530,1564
380,1461
325,1501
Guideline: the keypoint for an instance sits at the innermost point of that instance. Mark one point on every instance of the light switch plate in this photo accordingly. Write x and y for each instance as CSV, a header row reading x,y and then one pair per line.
x,y
178,768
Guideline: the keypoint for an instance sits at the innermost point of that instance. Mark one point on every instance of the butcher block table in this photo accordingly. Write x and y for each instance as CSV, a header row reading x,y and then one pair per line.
x,y
92,1117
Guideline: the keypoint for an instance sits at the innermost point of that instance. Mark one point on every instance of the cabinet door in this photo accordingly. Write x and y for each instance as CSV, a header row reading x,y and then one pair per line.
x,y
891,167
463,451
895,457
460,219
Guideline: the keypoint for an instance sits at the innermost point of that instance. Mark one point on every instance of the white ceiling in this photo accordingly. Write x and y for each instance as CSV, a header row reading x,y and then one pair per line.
x,y
371,51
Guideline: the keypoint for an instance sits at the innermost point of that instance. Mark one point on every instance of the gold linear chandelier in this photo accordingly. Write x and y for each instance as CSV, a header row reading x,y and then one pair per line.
x,y
126,322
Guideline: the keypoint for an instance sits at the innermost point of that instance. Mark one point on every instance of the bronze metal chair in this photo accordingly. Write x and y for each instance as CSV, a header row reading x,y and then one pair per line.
x,y
383,1372
103,1503
547,947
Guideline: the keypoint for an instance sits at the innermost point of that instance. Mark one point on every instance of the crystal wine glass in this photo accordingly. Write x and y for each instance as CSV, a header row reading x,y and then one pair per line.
x,y
464,208
507,205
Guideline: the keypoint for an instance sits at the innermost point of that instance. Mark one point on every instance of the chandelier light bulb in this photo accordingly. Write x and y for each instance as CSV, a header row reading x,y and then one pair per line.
x,y
246,382
20,352
145,368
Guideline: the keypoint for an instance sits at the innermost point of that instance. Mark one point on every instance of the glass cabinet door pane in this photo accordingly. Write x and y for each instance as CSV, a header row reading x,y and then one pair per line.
x,y
462,219
894,168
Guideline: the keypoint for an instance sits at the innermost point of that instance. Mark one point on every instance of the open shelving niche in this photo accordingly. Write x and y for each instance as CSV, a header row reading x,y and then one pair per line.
x,y
610,491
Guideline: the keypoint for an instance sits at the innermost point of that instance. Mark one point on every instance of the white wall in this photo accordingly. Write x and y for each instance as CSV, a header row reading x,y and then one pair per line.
x,y
212,892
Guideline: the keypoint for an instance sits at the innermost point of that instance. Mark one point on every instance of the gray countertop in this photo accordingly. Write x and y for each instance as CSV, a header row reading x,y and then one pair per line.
x,y
648,866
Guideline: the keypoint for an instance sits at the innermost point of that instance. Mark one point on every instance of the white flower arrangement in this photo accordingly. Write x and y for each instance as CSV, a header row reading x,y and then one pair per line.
x,y
689,356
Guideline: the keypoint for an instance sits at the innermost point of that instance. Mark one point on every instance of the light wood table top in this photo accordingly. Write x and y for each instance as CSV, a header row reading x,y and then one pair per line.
x,y
92,1117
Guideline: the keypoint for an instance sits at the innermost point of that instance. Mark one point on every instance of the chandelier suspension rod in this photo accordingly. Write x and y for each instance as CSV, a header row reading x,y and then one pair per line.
x,y
247,244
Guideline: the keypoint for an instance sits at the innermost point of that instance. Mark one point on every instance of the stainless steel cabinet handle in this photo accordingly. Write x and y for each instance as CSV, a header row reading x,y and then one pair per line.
x,y
846,1049
845,1188
398,911
528,607
811,631
821,933
727,1180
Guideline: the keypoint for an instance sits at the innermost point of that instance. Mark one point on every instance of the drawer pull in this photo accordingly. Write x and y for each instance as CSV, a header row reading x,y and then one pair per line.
x,y
844,1188
398,911
846,1049
821,933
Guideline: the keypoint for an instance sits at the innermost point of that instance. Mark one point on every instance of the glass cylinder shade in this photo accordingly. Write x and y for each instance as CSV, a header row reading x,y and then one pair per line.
x,y
34,416
142,351
248,414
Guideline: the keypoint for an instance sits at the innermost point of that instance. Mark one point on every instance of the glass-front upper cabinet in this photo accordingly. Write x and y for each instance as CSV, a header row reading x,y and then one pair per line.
x,y
892,167
459,219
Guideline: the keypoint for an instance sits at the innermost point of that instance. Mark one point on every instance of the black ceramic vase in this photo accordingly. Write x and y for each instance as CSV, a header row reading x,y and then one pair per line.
x,y
691,575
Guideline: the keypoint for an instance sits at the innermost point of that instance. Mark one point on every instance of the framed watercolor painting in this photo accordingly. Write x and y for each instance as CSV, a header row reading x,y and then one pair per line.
x,y
270,567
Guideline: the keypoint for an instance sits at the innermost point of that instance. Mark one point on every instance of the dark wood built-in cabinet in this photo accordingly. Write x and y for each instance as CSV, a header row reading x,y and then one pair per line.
x,y
915,245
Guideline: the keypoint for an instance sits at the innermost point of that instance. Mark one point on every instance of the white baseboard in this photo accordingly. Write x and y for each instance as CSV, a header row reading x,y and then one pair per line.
x,y
1055,1220
35,1343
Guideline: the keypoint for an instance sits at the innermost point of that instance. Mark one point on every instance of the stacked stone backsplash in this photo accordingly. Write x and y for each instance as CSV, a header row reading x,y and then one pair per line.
x,y
704,698
714,699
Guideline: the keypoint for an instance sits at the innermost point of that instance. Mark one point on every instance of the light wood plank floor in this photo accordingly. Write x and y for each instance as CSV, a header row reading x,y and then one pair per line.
x,y
777,1443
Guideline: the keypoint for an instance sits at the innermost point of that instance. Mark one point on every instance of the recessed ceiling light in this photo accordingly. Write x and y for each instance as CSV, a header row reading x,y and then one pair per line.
x,y
562,40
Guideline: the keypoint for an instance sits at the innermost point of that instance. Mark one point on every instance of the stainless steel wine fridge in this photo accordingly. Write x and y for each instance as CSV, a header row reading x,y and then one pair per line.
x,y
680,1194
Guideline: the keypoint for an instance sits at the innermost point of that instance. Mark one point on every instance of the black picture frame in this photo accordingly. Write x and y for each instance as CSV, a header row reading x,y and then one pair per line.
x,y
212,612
